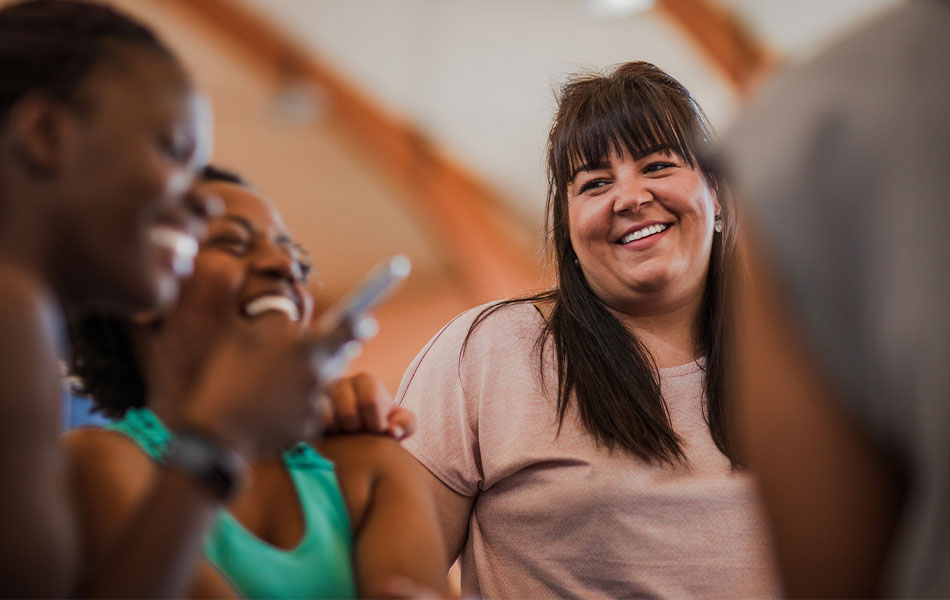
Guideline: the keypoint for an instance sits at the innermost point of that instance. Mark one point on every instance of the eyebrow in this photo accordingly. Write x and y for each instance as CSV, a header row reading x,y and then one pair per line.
x,y
283,239
603,164
240,221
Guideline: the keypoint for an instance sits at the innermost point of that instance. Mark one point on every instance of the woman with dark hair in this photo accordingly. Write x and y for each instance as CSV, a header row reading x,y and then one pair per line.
x,y
576,438
303,527
101,135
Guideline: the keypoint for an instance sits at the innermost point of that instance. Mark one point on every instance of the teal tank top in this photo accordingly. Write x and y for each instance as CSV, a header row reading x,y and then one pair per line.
x,y
320,566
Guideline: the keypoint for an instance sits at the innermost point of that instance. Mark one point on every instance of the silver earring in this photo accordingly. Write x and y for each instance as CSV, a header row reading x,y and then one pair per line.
x,y
717,225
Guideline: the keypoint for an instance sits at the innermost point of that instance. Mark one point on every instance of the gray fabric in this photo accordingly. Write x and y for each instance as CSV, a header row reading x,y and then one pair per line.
x,y
845,167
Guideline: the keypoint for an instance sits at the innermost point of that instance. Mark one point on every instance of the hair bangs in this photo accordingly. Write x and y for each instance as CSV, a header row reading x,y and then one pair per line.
x,y
626,119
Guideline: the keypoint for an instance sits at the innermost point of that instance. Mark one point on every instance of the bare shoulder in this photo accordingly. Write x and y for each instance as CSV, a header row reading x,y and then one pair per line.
x,y
109,461
30,329
373,452
24,301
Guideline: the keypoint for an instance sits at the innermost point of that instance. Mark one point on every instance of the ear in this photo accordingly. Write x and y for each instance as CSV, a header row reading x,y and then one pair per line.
x,y
39,127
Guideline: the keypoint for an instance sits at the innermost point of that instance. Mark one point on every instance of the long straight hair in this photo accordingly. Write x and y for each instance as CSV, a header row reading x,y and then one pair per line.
x,y
601,365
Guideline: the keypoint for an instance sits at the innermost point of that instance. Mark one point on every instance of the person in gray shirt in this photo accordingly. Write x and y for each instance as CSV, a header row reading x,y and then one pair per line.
x,y
844,378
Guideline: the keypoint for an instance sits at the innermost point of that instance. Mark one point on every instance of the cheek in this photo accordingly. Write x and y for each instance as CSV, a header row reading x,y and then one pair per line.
x,y
581,226
214,285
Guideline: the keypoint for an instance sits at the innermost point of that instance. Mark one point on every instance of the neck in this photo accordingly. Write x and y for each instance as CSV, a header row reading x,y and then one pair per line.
x,y
169,377
669,333
23,244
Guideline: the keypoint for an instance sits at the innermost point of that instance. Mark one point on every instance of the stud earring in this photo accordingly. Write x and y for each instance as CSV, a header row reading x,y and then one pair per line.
x,y
717,225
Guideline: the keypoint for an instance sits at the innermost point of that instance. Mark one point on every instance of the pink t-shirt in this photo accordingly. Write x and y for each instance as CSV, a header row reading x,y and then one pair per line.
x,y
556,515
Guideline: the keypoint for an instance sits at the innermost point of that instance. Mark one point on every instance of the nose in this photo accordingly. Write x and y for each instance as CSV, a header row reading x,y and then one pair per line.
x,y
632,193
278,262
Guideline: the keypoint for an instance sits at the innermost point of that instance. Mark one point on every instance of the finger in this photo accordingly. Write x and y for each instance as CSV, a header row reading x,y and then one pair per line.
x,y
365,328
342,398
373,402
401,423
326,415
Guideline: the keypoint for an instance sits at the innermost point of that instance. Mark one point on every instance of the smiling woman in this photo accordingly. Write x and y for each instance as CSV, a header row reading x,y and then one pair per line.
x,y
304,527
576,439
101,136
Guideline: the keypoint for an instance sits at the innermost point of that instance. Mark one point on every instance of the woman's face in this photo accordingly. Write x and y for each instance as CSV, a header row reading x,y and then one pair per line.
x,y
642,230
247,268
129,160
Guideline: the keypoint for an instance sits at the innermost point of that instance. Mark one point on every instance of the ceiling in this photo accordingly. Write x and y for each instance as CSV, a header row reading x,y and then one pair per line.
x,y
472,82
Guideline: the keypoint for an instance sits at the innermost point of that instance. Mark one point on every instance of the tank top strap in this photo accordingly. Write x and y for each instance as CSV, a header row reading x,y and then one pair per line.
x,y
146,430
303,456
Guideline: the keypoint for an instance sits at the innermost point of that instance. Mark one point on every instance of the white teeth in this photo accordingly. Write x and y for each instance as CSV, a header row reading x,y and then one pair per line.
x,y
183,247
642,233
280,304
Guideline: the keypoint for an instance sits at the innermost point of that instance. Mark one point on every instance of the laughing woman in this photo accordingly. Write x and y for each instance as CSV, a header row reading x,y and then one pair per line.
x,y
305,527
575,439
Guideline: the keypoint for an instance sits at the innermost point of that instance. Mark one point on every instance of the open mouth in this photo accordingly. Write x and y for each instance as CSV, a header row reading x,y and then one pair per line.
x,y
180,246
643,232
272,303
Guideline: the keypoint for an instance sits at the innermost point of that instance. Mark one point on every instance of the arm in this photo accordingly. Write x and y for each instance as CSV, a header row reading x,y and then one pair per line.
x,y
141,527
394,516
37,550
453,511
831,498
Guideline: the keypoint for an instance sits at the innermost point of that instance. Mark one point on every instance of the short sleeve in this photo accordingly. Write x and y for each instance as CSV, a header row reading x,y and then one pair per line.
x,y
446,438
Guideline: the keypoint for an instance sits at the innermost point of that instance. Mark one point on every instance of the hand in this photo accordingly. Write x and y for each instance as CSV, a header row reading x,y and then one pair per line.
x,y
360,403
262,389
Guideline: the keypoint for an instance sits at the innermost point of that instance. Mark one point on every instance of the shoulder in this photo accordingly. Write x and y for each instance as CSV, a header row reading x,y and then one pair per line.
x,y
367,451
106,458
24,300
364,465
499,323
490,335
30,331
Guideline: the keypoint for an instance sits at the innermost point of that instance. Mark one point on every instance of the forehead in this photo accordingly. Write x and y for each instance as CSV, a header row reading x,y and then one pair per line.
x,y
131,70
246,203
136,85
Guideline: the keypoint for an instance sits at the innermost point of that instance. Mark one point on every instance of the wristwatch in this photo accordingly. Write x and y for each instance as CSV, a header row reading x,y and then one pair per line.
x,y
213,463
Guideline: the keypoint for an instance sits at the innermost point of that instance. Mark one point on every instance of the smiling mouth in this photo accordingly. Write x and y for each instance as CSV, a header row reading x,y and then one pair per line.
x,y
647,231
266,304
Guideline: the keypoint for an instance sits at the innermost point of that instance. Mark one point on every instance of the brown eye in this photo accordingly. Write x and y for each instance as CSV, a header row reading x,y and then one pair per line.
x,y
230,242
594,184
656,167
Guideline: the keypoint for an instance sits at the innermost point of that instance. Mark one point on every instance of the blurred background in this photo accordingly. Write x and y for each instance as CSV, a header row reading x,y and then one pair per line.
x,y
418,126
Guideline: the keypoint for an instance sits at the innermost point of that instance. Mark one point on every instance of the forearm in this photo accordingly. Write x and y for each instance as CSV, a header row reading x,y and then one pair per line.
x,y
158,549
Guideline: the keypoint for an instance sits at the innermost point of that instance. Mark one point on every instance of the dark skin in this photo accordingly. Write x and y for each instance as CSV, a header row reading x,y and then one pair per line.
x,y
49,218
80,192
833,499
247,254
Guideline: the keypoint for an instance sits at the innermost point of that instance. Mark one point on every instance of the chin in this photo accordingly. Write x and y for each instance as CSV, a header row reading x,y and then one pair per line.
x,y
147,296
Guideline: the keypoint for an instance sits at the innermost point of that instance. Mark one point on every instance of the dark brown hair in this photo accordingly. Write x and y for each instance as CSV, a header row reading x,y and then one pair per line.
x,y
612,377
53,45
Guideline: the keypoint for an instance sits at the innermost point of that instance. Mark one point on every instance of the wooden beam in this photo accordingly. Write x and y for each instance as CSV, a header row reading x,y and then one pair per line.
x,y
743,59
462,214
